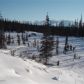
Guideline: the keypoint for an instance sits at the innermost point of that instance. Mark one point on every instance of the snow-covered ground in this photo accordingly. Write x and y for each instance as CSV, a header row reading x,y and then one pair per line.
x,y
16,70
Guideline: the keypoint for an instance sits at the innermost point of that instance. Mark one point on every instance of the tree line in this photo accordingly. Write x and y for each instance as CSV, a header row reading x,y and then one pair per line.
x,y
76,29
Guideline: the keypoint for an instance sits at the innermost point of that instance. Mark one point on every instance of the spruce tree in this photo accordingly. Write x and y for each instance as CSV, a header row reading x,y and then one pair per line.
x,y
66,45
18,39
23,38
9,39
57,46
46,48
2,40
26,38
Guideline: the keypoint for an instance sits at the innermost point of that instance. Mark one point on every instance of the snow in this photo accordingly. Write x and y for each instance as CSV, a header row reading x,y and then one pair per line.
x,y
16,70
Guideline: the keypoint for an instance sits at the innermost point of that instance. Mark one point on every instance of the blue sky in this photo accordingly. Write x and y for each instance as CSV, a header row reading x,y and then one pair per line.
x,y
32,10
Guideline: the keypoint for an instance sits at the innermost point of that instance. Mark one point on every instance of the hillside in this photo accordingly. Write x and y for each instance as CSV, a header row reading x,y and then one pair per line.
x,y
14,70
21,69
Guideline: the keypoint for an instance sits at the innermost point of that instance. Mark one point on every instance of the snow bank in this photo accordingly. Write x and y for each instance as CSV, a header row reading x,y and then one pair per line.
x,y
14,70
